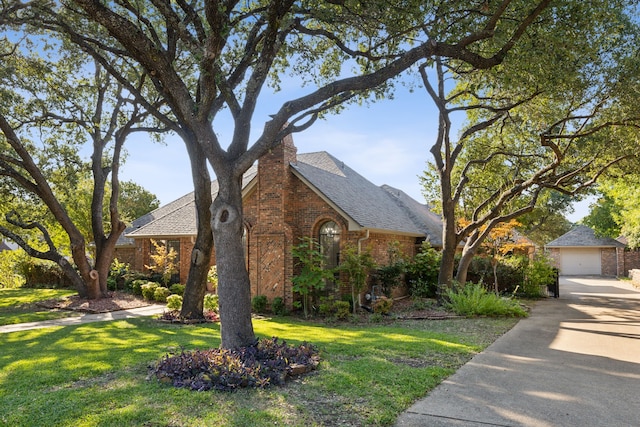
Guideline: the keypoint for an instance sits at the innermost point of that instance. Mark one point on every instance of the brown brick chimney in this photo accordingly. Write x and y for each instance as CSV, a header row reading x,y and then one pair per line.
x,y
272,234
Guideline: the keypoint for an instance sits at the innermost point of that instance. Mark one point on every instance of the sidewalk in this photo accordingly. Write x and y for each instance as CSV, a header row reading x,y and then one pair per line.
x,y
574,362
86,318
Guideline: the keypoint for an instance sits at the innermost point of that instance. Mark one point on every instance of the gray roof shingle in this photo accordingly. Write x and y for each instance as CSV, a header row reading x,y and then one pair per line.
x,y
176,218
369,206
583,236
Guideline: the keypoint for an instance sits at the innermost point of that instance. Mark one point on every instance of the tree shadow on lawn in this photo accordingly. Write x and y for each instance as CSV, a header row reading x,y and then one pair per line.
x,y
98,373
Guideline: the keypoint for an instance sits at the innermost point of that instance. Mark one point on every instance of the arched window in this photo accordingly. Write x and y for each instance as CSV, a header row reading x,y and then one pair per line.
x,y
329,239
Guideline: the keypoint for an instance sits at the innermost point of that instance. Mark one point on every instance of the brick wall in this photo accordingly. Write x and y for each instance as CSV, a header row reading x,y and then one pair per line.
x,y
631,260
554,255
609,260
126,254
277,212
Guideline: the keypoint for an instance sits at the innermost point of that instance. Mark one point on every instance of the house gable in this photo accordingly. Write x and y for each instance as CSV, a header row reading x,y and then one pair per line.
x,y
287,196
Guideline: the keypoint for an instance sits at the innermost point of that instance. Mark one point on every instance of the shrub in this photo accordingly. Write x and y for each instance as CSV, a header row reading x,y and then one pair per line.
x,y
211,303
382,305
474,300
136,286
342,309
42,274
510,272
278,307
259,304
177,289
174,302
148,290
10,267
355,265
266,363
422,272
330,307
117,275
163,261
310,262
538,275
391,275
161,293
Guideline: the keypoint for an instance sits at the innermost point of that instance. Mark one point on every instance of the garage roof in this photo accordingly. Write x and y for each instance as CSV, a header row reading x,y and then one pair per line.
x,y
582,236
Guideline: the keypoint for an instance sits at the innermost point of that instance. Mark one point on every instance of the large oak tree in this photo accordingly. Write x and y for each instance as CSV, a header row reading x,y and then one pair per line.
x,y
52,105
552,118
211,61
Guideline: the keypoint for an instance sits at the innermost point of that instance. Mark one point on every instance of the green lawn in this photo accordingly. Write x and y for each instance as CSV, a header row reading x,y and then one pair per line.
x,y
97,374
18,305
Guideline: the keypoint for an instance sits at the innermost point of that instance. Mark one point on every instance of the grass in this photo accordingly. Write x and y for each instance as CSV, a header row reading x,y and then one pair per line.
x,y
19,305
96,374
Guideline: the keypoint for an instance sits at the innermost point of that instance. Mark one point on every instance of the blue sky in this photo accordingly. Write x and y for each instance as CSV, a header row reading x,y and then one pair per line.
x,y
387,142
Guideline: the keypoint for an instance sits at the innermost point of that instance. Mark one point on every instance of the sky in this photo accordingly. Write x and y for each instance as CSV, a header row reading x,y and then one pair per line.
x,y
387,142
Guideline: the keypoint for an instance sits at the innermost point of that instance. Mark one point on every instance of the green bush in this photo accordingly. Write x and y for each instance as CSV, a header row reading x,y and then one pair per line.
x,y
538,275
38,274
211,302
342,309
389,277
330,307
510,272
474,300
259,304
10,274
136,286
278,307
174,302
382,305
148,290
161,293
117,275
177,289
422,272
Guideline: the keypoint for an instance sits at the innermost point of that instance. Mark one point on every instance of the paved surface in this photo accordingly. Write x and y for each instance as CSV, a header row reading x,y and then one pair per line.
x,y
86,318
574,362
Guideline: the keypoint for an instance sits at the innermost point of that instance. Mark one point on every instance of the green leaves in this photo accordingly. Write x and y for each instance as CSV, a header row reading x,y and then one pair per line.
x,y
312,274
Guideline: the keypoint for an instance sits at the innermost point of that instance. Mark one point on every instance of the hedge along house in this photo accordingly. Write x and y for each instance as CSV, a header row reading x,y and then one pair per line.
x,y
287,197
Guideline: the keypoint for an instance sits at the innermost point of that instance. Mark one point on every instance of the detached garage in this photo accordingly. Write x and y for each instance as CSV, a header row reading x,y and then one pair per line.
x,y
580,253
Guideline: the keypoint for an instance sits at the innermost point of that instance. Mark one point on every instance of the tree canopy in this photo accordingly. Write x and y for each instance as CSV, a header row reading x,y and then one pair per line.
x,y
57,100
616,213
193,65
544,121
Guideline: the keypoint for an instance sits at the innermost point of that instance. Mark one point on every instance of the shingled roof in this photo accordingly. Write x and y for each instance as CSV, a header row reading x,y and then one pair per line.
x,y
583,237
177,218
364,204
367,205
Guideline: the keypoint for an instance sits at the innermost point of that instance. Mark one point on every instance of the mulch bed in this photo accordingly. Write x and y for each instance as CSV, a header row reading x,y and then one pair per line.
x,y
117,301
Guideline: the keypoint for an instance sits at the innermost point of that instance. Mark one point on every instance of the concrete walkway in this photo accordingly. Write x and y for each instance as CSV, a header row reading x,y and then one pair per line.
x,y
574,362
86,318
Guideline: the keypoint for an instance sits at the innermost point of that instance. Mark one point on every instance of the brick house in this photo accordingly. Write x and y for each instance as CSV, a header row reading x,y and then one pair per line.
x,y
288,196
581,252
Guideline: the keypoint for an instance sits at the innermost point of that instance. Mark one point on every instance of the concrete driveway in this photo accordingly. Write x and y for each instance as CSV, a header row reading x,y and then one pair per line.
x,y
574,362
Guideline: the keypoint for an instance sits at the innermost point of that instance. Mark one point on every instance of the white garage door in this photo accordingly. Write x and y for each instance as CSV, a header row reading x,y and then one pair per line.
x,y
577,262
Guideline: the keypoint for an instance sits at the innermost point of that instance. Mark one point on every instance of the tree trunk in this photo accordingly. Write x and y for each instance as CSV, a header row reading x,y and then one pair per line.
x,y
234,289
463,266
196,286
494,264
445,275
447,263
